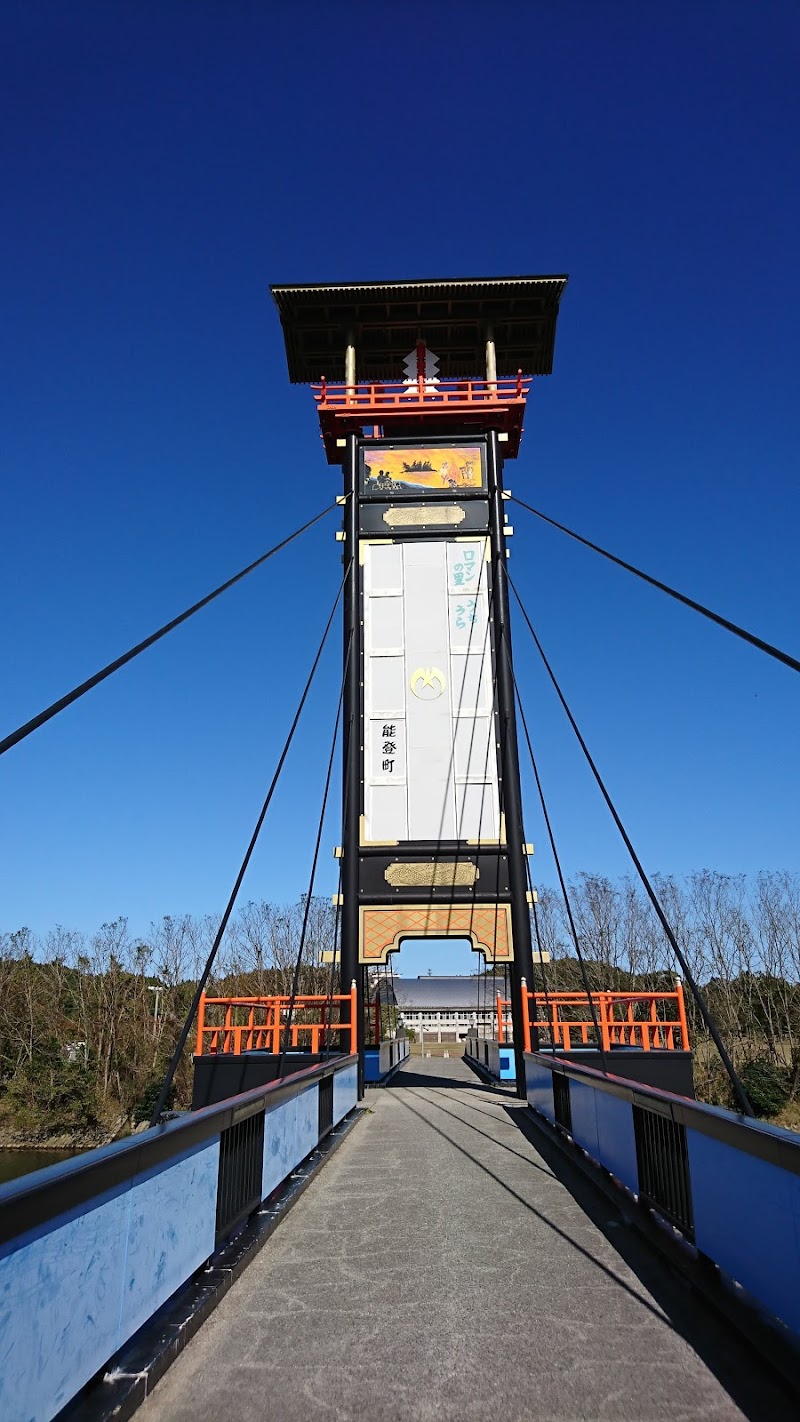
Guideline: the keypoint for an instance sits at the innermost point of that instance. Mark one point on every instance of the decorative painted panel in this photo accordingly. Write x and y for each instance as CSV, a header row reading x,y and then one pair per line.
x,y
401,472
430,746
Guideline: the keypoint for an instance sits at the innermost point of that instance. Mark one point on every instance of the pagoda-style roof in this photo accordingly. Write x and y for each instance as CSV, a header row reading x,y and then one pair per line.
x,y
384,320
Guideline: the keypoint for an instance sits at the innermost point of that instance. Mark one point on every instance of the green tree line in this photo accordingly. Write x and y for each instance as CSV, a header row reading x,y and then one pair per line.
x,y
88,1022
740,936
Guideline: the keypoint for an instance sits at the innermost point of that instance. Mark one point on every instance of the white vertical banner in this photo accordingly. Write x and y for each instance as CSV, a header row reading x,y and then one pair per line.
x,y
430,762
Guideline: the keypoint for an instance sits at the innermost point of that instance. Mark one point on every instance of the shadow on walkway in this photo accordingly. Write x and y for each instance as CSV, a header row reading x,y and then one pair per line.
x,y
452,1073
755,1388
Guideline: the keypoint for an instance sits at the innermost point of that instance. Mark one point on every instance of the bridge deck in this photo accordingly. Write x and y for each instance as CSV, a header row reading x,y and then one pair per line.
x,y
443,1267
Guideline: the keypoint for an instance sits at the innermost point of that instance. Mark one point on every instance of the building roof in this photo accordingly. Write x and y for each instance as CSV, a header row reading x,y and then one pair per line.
x,y
385,320
444,994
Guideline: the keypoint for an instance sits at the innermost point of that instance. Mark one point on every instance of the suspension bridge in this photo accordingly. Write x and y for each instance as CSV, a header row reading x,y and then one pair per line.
x,y
551,1227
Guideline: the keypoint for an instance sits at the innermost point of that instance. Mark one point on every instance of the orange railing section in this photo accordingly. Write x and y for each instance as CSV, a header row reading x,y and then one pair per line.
x,y
491,404
649,1020
258,1024
397,395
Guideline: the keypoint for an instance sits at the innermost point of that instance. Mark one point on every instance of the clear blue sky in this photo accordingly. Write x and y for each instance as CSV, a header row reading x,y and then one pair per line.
x,y
161,165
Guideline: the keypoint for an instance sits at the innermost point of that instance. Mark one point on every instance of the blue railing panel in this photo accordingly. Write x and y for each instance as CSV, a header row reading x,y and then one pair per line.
x,y
91,1248
747,1219
306,1123
539,1087
616,1138
171,1232
345,1092
381,1059
731,1185
125,1255
583,1100
290,1133
56,1333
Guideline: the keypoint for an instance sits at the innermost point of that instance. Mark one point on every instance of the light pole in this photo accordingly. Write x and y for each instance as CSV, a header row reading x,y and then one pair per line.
x,y
158,989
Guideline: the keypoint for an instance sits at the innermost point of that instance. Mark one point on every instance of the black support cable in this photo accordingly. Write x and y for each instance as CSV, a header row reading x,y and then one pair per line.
x,y
771,651
347,750
190,1016
14,738
562,881
541,963
390,956
315,859
332,974
538,936
738,1088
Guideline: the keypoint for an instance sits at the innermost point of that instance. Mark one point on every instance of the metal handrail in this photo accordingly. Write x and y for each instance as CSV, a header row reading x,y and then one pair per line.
x,y
399,394
652,1032
264,1033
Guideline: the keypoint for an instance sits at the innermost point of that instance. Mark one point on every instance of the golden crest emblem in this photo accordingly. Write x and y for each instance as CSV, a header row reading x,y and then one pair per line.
x,y
430,678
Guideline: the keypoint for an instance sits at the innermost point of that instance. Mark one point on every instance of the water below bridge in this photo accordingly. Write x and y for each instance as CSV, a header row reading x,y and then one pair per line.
x,y
14,1163
448,1263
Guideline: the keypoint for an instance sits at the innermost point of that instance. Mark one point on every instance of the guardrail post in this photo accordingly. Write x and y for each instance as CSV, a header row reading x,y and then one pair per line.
x,y
201,1022
353,1017
606,1012
682,1015
526,1016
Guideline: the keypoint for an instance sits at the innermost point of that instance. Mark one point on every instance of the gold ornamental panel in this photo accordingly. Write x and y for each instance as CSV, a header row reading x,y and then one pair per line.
x,y
431,875
488,926
413,517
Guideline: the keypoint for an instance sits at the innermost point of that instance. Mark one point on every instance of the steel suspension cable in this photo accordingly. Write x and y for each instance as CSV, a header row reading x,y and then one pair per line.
x,y
739,1091
541,963
348,742
332,974
562,881
190,1016
314,861
540,950
394,1000
754,641
502,727
77,692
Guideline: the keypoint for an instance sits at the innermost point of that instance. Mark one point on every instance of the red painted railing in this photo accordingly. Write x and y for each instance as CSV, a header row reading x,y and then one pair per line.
x,y
388,396
258,1024
400,408
650,1020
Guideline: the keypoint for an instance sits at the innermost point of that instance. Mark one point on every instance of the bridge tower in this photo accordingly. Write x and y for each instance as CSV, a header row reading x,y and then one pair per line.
x,y
436,376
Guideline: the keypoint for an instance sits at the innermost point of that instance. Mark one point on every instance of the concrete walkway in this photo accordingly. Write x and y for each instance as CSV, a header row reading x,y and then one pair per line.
x,y
438,1269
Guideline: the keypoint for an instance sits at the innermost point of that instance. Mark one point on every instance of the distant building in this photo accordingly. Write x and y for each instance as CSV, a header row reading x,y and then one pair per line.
x,y
445,1009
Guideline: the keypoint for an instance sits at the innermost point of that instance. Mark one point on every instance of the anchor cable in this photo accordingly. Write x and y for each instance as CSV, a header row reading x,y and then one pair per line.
x,y
14,738
190,1016
541,964
739,1091
332,974
337,929
754,641
562,881
314,862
